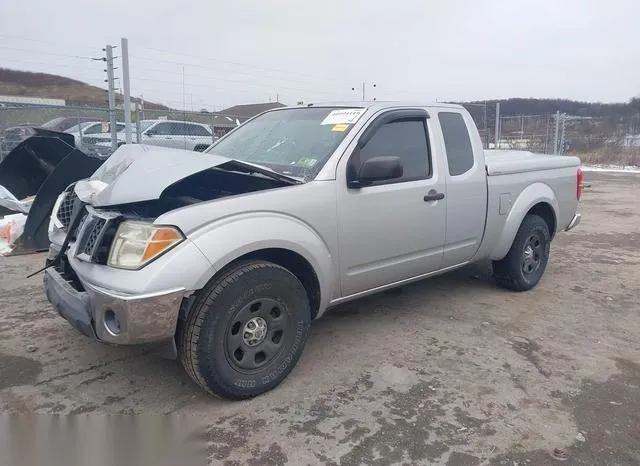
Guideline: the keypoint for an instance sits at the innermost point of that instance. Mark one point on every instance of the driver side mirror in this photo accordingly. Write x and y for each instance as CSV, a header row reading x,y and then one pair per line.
x,y
151,132
377,169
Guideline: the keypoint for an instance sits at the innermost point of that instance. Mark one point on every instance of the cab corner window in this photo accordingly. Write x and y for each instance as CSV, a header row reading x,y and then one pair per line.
x,y
405,139
456,142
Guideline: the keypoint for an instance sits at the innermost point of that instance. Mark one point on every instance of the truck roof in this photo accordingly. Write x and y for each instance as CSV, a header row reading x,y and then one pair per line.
x,y
380,105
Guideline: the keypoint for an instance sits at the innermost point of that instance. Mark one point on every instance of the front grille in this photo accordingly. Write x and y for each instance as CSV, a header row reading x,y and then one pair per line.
x,y
93,236
65,211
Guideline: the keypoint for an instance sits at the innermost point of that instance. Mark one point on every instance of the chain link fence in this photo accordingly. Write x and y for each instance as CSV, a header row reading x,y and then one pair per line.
x,y
607,140
610,140
92,131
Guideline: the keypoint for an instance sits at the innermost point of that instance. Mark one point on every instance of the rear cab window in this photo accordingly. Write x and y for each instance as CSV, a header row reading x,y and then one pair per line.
x,y
457,143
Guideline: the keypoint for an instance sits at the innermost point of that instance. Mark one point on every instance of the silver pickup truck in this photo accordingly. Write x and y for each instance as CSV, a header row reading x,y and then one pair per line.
x,y
225,257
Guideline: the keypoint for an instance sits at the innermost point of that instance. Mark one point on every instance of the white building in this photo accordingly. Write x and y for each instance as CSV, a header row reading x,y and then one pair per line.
x,y
15,99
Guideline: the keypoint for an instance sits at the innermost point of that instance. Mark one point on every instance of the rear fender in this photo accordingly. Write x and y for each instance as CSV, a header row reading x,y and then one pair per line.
x,y
529,197
230,238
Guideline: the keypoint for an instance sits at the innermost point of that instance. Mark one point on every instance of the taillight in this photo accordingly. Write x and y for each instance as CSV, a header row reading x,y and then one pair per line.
x,y
579,184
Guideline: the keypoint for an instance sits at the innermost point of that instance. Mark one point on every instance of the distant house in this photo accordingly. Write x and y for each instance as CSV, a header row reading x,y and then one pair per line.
x,y
227,119
22,100
250,110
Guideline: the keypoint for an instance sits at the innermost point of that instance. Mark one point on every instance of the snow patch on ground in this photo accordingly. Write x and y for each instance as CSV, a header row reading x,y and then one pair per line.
x,y
611,168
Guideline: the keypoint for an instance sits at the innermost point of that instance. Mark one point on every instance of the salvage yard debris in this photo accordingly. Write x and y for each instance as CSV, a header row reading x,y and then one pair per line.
x,y
11,228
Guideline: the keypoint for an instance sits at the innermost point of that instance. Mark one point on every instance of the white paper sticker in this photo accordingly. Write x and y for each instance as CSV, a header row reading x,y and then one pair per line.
x,y
346,116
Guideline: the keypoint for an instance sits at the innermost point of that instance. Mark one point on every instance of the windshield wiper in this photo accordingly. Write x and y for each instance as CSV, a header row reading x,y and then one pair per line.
x,y
246,167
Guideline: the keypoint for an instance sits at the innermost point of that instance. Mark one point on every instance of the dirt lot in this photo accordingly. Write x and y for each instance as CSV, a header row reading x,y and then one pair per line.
x,y
449,371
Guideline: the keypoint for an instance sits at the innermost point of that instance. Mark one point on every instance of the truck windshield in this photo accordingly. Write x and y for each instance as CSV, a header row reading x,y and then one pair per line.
x,y
295,142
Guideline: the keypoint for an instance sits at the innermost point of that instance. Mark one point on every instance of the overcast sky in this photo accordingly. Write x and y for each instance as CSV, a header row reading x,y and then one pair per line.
x,y
242,51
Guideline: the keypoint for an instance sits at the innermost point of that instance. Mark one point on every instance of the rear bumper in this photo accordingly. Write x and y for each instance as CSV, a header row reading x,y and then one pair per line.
x,y
575,221
112,317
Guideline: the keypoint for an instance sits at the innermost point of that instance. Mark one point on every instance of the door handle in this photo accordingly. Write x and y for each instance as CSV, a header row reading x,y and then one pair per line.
x,y
433,195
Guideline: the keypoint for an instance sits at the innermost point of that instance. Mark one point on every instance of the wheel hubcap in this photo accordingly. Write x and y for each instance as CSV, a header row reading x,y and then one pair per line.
x,y
254,331
532,254
256,334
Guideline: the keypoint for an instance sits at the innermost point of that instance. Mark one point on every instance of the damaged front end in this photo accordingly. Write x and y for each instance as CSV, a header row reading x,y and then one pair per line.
x,y
111,271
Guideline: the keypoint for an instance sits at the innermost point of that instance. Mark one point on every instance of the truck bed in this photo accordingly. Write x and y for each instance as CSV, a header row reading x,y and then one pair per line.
x,y
506,162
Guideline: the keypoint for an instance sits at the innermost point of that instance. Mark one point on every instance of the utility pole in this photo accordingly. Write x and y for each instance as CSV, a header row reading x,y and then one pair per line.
x,y
127,93
497,135
546,139
364,92
562,132
112,97
486,127
555,145
138,128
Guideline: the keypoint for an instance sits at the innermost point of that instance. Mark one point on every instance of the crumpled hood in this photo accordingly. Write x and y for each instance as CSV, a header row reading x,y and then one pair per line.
x,y
137,173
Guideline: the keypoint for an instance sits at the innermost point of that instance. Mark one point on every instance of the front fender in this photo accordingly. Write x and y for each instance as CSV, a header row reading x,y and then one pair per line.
x,y
227,239
530,196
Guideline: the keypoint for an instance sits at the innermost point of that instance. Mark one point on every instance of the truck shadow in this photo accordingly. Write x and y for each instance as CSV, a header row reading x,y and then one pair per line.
x,y
467,280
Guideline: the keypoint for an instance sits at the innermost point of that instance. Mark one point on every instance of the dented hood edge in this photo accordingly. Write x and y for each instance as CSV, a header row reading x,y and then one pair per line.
x,y
136,173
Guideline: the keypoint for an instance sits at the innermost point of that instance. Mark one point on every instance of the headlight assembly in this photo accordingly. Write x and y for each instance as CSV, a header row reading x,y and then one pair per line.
x,y
138,243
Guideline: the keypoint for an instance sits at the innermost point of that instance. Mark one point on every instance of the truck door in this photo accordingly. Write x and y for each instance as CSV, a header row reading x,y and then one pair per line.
x,y
466,187
391,230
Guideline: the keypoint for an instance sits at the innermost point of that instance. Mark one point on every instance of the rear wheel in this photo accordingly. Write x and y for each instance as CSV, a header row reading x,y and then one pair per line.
x,y
247,330
523,266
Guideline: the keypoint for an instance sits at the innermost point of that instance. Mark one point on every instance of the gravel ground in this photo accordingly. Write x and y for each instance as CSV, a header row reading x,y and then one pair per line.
x,y
452,370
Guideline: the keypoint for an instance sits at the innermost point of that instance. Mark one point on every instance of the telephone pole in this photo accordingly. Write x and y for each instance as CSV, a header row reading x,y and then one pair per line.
x,y
127,93
364,90
112,96
497,135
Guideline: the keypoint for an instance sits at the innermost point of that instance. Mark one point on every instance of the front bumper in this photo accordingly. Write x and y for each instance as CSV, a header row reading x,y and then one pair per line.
x,y
113,317
575,221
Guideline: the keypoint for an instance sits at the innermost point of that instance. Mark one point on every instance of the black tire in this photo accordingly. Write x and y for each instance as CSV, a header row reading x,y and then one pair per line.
x,y
523,266
222,320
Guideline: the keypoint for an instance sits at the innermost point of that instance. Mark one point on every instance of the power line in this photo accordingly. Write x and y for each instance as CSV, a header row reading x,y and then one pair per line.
x,y
49,42
46,53
55,65
217,60
208,86
144,68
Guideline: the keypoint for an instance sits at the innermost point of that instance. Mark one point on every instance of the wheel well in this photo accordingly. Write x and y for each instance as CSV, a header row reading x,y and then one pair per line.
x,y
297,265
545,211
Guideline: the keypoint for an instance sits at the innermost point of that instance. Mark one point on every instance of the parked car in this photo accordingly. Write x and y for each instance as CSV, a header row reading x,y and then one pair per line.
x,y
166,133
16,134
90,128
231,254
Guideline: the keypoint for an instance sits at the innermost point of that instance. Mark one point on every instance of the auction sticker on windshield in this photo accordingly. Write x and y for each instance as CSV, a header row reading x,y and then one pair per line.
x,y
343,116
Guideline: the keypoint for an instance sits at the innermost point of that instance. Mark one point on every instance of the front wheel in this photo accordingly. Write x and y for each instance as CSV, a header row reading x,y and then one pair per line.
x,y
247,330
523,266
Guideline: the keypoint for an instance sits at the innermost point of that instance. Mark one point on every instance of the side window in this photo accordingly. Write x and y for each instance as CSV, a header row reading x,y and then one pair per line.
x,y
197,130
162,128
456,142
406,139
180,129
93,129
